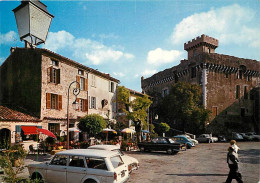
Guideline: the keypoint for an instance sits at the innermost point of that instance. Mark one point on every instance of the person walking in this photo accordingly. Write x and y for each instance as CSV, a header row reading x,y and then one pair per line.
x,y
233,144
232,160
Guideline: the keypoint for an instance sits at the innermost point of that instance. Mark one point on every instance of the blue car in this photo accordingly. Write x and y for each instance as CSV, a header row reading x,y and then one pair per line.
x,y
184,140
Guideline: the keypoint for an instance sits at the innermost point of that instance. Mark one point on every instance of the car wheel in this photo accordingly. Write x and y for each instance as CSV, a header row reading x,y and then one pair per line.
x,y
90,181
169,151
188,146
142,149
37,177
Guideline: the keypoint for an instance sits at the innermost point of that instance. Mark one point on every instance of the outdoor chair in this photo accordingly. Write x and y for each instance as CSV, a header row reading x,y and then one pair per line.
x,y
31,149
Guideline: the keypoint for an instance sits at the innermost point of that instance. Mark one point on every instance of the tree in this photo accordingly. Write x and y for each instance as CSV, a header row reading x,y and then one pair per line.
x,y
92,124
138,107
162,128
183,109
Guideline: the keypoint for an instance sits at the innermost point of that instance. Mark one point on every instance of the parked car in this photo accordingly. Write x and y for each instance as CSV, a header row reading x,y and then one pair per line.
x,y
222,138
205,138
246,137
236,136
184,140
191,139
134,163
82,166
254,136
161,144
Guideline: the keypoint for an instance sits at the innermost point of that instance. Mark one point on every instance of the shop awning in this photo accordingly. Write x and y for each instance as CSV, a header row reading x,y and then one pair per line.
x,y
47,132
32,130
29,130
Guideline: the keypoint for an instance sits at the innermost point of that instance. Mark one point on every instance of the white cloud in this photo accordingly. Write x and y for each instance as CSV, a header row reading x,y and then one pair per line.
x,y
8,38
148,72
229,24
86,50
160,56
119,74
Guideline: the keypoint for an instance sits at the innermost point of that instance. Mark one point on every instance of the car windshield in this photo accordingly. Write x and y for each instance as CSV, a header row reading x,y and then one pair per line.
x,y
116,161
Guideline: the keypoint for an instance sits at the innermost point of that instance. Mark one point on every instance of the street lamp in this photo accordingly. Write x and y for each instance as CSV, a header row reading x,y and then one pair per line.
x,y
33,21
75,105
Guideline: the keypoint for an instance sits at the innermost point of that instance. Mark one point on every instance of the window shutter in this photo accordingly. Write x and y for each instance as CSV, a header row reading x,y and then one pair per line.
x,y
89,102
51,74
58,76
48,100
86,105
78,80
60,102
86,84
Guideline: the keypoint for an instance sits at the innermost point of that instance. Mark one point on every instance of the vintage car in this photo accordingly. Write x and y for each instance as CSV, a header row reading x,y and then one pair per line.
x,y
82,166
191,139
206,138
161,144
184,140
134,163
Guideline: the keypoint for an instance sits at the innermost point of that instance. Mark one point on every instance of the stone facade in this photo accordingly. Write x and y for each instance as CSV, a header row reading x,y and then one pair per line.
x,y
226,82
38,81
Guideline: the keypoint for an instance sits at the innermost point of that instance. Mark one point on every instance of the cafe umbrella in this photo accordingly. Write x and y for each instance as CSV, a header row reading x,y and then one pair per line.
x,y
107,130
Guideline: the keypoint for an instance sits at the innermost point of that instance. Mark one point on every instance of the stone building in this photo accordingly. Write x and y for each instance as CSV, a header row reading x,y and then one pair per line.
x,y
37,80
227,84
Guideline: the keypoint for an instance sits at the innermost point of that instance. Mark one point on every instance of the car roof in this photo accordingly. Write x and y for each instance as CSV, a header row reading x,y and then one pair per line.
x,y
88,152
180,136
104,147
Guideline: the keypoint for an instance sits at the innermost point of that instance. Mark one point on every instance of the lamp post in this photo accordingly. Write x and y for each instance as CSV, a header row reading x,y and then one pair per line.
x,y
76,91
33,22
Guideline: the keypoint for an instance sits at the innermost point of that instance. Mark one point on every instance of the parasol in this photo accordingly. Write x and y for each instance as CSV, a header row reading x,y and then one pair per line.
x,y
106,130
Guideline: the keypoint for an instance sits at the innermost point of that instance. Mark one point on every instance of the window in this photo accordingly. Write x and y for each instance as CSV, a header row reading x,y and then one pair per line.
x,y
240,74
93,102
54,128
83,83
245,92
80,72
193,72
237,92
112,87
208,50
93,80
53,101
60,160
194,52
249,78
76,161
226,75
54,63
97,163
53,75
165,92
116,161
83,104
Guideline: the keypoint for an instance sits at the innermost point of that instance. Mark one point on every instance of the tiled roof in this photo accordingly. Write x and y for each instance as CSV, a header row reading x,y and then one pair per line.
x,y
7,114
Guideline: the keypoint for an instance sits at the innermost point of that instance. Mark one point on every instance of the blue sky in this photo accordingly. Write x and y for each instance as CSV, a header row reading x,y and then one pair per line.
x,y
130,39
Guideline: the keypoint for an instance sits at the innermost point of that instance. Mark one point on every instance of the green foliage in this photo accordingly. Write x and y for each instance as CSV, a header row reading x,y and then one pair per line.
x,y
92,124
50,141
12,161
183,108
163,127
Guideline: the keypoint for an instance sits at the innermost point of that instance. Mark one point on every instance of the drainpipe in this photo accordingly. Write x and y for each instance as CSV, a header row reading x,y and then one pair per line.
x,y
204,85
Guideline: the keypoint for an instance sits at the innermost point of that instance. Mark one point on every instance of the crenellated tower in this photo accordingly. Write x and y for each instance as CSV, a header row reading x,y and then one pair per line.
x,y
202,44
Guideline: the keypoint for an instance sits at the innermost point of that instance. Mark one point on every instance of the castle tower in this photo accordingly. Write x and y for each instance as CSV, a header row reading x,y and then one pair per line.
x,y
202,44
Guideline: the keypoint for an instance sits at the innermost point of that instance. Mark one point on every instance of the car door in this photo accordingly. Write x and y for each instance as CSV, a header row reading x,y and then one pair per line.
x,y
76,169
56,170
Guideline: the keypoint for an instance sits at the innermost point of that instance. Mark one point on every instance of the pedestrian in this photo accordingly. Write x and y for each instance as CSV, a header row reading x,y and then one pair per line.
x,y
232,160
233,144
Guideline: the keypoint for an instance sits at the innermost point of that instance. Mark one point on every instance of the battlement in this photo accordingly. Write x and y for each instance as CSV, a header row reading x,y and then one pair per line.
x,y
203,39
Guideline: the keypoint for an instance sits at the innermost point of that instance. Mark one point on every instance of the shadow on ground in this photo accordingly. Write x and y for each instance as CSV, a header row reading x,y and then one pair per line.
x,y
198,174
251,156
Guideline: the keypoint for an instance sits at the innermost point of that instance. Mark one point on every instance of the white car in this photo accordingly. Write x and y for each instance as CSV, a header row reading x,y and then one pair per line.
x,y
134,163
82,166
193,140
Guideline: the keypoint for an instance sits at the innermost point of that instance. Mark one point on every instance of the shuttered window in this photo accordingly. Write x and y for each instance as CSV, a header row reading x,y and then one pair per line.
x,y
53,101
53,75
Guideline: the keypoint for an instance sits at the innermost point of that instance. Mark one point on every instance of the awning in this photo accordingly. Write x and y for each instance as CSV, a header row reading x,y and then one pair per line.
x,y
33,130
47,132
29,130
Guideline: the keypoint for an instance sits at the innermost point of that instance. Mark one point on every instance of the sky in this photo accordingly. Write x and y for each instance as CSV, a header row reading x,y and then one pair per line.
x,y
133,38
